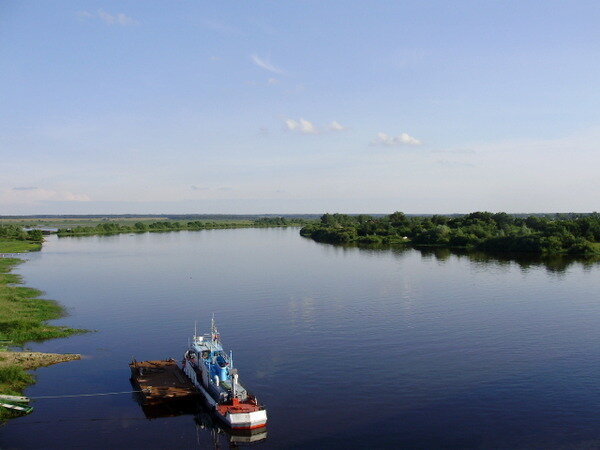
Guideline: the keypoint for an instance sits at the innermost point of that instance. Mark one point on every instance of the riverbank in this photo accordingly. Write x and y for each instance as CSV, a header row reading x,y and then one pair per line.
x,y
23,317
33,360
116,227
23,314
14,376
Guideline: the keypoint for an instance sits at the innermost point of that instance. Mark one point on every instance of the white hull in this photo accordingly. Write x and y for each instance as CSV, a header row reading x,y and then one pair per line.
x,y
246,421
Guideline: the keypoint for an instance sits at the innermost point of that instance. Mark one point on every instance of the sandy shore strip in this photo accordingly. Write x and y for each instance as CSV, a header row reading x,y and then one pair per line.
x,y
33,360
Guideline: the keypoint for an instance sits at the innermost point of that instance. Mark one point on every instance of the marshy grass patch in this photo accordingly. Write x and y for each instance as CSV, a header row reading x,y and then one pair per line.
x,y
18,246
23,313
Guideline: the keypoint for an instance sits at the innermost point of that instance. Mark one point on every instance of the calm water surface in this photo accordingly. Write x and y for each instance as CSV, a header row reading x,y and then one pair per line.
x,y
347,347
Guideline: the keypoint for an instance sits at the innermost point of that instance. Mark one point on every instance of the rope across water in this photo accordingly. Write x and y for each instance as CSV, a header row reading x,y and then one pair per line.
x,y
84,395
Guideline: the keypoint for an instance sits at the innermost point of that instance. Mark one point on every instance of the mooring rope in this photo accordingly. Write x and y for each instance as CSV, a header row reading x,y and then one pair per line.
x,y
84,395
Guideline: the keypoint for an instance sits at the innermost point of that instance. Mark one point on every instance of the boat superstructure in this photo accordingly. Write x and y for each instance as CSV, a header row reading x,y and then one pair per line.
x,y
211,370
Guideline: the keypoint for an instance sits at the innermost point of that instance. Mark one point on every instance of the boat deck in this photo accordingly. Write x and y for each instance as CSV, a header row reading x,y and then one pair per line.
x,y
161,381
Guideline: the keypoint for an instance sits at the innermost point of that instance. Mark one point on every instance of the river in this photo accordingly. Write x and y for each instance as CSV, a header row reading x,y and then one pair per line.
x,y
347,347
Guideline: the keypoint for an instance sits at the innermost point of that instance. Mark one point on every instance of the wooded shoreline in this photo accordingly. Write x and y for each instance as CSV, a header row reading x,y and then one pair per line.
x,y
576,234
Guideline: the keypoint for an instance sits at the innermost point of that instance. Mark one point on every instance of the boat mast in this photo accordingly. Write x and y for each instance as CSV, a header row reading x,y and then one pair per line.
x,y
213,329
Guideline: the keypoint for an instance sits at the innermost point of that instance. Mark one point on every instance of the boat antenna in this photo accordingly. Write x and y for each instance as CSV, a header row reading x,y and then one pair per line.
x,y
195,328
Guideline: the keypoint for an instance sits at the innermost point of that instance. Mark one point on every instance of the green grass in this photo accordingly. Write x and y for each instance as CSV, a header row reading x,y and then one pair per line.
x,y
22,313
18,246
23,317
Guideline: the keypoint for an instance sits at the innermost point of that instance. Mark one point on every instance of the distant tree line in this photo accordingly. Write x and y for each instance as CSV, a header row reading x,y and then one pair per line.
x,y
166,225
280,221
493,232
18,233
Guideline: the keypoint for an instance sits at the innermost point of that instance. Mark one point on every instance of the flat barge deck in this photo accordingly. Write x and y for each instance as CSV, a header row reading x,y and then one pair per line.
x,y
161,381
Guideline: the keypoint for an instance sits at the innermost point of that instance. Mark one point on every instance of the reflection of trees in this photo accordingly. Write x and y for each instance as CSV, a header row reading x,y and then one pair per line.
x,y
552,263
440,254
556,263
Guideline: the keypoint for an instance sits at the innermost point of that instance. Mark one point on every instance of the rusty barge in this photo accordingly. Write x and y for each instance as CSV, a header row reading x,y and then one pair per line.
x,y
161,381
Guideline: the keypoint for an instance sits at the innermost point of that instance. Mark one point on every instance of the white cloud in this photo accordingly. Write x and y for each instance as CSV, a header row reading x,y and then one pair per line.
x,y
109,19
265,64
392,141
336,126
28,195
272,81
304,126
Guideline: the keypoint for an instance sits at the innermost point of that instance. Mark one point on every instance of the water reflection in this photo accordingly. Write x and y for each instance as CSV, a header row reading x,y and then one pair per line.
x,y
552,263
234,438
209,431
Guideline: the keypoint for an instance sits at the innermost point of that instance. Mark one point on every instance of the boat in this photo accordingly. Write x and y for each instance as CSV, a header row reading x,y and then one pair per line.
x,y
16,403
211,370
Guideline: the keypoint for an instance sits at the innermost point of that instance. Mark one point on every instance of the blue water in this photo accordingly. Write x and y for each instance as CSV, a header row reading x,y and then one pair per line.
x,y
347,347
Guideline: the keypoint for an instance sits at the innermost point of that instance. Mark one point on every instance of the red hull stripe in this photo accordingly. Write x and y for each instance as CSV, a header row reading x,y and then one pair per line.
x,y
253,427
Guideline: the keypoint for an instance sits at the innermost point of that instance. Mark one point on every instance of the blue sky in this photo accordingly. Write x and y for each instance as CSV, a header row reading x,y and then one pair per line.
x,y
299,106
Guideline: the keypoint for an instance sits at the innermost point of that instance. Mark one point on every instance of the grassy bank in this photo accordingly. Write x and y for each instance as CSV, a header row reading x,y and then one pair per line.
x,y
16,246
13,372
14,239
23,317
22,313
